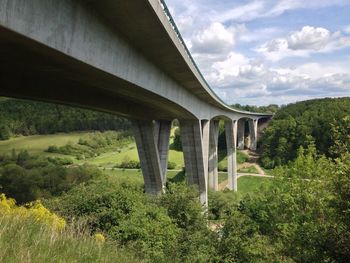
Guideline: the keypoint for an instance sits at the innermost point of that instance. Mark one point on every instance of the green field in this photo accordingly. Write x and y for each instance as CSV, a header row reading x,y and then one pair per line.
x,y
250,170
38,144
246,184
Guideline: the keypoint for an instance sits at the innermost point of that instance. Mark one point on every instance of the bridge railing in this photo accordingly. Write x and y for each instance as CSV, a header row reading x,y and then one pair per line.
x,y
188,53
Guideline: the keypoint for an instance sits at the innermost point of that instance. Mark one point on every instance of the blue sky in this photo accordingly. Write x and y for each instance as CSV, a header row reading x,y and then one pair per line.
x,y
263,52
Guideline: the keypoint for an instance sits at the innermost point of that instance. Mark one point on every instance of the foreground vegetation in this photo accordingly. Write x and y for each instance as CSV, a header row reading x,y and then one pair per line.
x,y
36,235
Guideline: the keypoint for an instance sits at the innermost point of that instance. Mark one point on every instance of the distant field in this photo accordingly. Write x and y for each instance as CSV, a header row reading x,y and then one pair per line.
x,y
37,144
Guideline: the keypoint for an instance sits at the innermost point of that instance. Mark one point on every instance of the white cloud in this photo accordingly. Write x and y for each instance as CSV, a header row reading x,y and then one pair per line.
x,y
215,39
304,42
309,38
269,8
347,29
241,59
239,78
244,12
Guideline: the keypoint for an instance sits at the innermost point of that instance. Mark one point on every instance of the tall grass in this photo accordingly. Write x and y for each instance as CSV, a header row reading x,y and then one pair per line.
x,y
25,240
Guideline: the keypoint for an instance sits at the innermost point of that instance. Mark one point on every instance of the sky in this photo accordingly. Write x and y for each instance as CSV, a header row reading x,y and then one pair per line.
x,y
261,52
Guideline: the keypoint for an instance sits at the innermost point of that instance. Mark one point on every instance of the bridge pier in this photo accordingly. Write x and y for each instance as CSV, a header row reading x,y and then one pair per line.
x,y
152,140
231,142
253,133
213,155
195,146
162,135
240,133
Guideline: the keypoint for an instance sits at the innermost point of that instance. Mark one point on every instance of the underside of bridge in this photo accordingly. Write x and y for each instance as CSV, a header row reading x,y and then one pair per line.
x,y
124,58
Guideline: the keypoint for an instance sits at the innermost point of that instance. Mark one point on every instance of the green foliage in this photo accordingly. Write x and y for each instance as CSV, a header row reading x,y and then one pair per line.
x,y
171,165
27,178
221,204
19,117
93,144
294,213
241,241
127,163
177,145
272,108
297,125
340,137
156,228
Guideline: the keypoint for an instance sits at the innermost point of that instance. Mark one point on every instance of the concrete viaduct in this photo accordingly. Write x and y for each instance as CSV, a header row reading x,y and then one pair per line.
x,y
125,58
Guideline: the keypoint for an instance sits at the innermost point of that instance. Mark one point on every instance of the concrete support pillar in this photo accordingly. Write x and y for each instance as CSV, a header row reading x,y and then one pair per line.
x,y
162,134
253,133
149,139
195,145
240,134
231,141
213,155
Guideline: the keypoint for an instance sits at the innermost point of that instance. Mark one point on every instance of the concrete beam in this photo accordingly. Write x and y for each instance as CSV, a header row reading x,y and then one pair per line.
x,y
147,148
195,140
231,142
213,155
240,134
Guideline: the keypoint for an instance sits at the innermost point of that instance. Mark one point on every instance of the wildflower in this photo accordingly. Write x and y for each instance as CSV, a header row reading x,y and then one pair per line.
x,y
100,238
32,210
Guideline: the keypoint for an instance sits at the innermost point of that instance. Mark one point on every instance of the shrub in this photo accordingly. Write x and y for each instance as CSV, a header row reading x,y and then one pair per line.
x,y
171,165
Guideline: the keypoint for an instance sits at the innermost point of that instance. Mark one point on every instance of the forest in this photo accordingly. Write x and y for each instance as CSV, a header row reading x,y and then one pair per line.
x,y
21,117
300,123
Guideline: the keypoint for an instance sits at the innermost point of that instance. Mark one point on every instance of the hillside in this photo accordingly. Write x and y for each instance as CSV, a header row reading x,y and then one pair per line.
x,y
299,124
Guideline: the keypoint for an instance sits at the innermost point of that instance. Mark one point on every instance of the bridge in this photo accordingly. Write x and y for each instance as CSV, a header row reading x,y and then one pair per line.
x,y
125,58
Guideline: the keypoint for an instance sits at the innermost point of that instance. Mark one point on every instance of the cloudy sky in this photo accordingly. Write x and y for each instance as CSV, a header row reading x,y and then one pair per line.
x,y
263,51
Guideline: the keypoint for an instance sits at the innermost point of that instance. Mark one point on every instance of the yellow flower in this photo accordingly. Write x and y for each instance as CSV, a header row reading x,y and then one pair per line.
x,y
32,210
100,238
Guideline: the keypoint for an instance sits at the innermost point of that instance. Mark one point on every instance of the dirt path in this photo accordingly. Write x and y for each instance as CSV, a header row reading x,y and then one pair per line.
x,y
252,161
253,158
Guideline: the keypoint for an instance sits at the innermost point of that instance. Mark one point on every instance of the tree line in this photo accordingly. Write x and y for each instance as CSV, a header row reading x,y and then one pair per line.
x,y
20,117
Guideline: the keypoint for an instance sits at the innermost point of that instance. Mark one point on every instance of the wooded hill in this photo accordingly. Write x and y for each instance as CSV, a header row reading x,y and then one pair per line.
x,y
299,124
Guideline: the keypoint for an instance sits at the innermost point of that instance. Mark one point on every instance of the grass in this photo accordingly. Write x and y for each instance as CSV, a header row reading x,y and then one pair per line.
x,y
250,184
110,159
26,240
37,144
250,170
246,184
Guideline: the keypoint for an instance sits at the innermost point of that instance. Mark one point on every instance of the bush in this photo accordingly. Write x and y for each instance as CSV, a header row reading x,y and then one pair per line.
x,y
171,165
31,178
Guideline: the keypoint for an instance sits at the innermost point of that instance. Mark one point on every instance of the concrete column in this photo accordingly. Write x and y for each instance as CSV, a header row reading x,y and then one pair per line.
x,y
213,155
195,145
240,134
162,134
253,133
231,141
147,147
